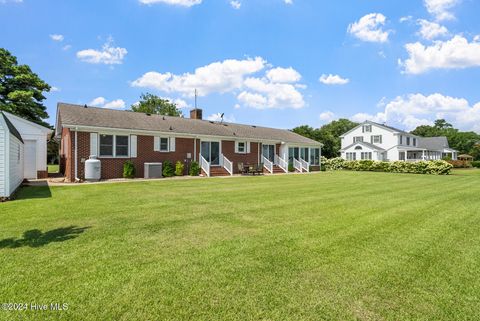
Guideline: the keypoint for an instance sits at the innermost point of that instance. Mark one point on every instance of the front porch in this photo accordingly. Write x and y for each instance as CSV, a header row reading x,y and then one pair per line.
x,y
418,154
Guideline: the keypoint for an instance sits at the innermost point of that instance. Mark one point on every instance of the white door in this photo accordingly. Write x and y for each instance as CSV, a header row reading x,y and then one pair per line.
x,y
30,157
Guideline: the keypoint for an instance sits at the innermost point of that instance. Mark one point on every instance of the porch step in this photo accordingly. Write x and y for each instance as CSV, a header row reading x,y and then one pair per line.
x,y
218,171
276,170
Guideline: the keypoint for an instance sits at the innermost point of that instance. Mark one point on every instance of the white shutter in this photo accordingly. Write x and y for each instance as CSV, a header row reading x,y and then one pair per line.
x,y
172,144
133,146
248,147
156,143
236,147
93,144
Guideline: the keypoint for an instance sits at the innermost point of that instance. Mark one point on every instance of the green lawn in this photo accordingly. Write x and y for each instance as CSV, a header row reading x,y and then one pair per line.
x,y
52,168
326,246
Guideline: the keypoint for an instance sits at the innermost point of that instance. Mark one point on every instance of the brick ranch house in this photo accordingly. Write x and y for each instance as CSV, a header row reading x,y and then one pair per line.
x,y
117,136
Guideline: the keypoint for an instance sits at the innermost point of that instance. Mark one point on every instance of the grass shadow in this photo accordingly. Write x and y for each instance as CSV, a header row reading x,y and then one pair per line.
x,y
39,190
37,238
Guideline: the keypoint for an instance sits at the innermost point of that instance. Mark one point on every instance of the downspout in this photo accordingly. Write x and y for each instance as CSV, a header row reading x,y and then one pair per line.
x,y
76,155
195,149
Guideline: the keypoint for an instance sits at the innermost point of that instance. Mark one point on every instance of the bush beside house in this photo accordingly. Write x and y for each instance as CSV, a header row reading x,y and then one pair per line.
x,y
128,170
438,167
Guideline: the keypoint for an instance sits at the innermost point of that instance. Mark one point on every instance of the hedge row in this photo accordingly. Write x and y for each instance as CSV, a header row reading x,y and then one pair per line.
x,y
476,164
438,167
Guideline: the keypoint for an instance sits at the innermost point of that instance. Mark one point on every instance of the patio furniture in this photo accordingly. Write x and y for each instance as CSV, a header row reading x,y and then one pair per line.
x,y
242,169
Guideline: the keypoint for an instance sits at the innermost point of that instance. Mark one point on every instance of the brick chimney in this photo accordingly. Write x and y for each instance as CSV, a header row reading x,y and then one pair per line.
x,y
196,113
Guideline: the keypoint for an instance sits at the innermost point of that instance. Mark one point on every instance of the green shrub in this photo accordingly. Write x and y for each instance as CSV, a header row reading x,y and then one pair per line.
x,y
291,168
438,167
460,164
168,170
128,169
194,169
476,164
179,167
333,164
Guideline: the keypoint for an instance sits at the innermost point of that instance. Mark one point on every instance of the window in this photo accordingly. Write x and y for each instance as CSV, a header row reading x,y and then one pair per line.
x,y
315,156
114,146
366,155
121,146
367,128
401,140
408,140
106,145
351,156
358,148
304,153
414,142
163,144
357,139
293,152
377,139
241,147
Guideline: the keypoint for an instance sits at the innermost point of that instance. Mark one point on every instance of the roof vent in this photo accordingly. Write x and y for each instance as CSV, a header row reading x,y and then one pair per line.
x,y
148,114
254,126
85,106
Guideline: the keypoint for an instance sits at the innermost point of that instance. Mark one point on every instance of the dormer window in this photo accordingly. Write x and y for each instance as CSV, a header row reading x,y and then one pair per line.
x,y
367,128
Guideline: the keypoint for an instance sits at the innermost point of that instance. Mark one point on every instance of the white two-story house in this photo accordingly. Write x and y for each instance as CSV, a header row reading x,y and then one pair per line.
x,y
375,141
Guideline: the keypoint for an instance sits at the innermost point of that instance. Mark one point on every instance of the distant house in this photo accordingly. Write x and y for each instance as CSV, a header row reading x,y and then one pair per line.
x,y
23,152
117,136
374,141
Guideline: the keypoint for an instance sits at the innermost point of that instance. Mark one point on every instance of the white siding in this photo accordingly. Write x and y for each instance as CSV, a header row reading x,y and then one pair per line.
x,y
388,138
3,192
15,163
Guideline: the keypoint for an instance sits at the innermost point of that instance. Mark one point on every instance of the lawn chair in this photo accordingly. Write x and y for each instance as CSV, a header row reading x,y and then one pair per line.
x,y
241,168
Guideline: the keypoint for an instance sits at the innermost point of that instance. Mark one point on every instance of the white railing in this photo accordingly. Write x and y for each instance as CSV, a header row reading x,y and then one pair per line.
x,y
297,165
280,162
228,165
205,166
305,165
267,164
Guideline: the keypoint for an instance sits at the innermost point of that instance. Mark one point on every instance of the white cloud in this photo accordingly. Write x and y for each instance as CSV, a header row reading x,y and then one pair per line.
x,y
57,37
67,47
456,53
218,77
54,89
441,9
333,80
288,1
327,116
109,54
431,30
369,28
262,93
182,3
413,110
104,103
405,19
277,89
13,1
235,4
218,117
283,75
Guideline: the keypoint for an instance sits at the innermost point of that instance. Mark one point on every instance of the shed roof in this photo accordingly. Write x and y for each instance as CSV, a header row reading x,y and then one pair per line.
x,y
11,127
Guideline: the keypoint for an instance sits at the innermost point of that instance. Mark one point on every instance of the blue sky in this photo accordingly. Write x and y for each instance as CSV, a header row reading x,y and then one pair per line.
x,y
276,63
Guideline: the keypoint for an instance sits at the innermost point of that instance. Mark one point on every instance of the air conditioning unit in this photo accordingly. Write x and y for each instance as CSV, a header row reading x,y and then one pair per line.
x,y
153,170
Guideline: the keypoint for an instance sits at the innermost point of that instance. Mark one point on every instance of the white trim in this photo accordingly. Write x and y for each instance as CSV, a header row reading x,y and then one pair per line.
x,y
40,127
133,146
93,144
114,147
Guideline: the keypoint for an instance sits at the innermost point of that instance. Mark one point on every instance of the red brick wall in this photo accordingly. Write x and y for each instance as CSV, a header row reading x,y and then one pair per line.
x,y
228,149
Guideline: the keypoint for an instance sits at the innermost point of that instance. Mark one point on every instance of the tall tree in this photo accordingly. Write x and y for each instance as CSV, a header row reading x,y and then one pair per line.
x,y
464,142
328,135
152,104
21,90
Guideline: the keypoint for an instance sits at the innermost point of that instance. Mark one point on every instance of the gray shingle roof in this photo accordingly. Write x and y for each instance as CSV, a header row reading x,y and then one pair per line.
x,y
433,143
11,127
76,115
372,146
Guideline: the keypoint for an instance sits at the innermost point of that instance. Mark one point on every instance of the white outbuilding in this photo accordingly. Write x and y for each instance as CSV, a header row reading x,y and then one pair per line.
x,y
11,157
23,152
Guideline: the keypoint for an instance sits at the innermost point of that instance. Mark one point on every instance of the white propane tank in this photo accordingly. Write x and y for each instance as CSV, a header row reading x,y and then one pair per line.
x,y
92,169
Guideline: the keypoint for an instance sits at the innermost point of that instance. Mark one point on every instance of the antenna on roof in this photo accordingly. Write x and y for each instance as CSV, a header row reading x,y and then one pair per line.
x,y
221,116
195,98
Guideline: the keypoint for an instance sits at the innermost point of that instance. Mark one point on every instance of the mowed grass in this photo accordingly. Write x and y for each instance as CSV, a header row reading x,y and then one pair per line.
x,y
326,246
53,168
